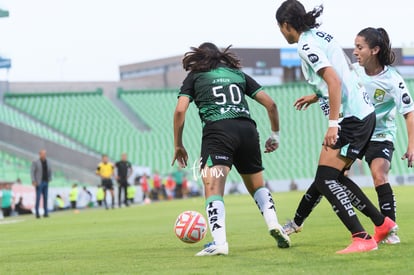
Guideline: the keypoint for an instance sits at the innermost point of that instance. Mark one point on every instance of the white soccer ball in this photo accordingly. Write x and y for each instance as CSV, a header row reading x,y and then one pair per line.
x,y
190,227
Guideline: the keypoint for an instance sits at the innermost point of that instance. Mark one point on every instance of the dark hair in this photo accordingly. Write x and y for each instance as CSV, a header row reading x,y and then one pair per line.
x,y
207,57
294,13
379,37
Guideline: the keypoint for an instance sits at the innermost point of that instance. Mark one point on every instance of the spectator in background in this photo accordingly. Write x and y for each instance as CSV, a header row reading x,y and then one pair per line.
x,y
41,174
21,209
59,203
123,172
157,185
131,193
73,196
89,197
178,176
105,170
144,187
184,187
100,195
293,185
7,200
170,186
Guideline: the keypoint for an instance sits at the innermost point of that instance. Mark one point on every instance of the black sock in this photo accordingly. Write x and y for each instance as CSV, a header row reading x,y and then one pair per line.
x,y
386,200
327,184
360,201
311,198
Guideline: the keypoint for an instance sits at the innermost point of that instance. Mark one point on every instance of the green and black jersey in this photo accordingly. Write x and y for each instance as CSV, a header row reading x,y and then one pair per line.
x,y
220,93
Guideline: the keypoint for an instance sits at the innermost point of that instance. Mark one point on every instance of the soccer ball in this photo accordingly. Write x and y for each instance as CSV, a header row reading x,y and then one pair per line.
x,y
190,227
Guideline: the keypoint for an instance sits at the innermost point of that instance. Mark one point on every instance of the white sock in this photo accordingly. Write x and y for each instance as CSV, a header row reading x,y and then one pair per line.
x,y
216,216
264,201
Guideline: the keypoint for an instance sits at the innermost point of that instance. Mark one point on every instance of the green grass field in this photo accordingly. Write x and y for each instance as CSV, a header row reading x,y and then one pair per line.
x,y
140,240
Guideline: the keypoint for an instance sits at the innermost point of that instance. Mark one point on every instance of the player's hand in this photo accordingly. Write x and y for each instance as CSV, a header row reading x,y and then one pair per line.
x,y
409,156
331,137
272,143
303,102
180,156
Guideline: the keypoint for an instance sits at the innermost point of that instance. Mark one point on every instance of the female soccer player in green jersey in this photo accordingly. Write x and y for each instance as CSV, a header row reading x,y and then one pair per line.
x,y
351,118
218,88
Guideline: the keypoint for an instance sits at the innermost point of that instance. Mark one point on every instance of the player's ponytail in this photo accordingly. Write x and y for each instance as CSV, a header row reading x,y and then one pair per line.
x,y
294,13
207,57
379,38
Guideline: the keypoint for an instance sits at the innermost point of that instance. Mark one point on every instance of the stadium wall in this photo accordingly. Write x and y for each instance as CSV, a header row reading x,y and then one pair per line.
x,y
75,164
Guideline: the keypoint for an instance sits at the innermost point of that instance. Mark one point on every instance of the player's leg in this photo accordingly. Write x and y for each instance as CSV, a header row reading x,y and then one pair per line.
x,y
310,199
360,201
214,179
386,199
379,170
326,181
264,200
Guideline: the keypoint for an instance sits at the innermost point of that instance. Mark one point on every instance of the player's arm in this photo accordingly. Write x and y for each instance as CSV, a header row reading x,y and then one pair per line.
x,y
264,99
303,102
334,90
180,154
409,154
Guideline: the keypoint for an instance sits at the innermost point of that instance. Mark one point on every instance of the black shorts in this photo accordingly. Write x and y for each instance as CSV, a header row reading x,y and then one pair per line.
x,y
354,136
379,149
107,184
232,141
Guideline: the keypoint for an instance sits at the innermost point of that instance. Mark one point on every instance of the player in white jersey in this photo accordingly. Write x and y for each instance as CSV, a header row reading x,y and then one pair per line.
x,y
351,118
389,94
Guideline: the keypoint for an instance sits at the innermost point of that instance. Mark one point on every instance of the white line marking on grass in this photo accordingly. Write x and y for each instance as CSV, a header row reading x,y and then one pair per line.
x,y
10,221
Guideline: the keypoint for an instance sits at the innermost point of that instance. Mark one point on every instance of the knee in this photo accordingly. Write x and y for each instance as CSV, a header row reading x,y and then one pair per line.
x,y
379,179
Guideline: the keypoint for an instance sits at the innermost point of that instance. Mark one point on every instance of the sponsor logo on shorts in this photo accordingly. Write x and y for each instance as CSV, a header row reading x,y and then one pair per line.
x,y
386,152
355,151
406,99
222,157
313,58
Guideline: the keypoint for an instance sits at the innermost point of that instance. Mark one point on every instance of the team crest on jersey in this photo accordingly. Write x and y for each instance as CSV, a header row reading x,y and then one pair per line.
x,y
379,95
313,58
406,99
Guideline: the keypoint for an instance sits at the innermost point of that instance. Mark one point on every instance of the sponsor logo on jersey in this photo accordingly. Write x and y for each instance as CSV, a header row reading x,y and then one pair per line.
x,y
379,95
313,58
305,47
401,85
406,99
